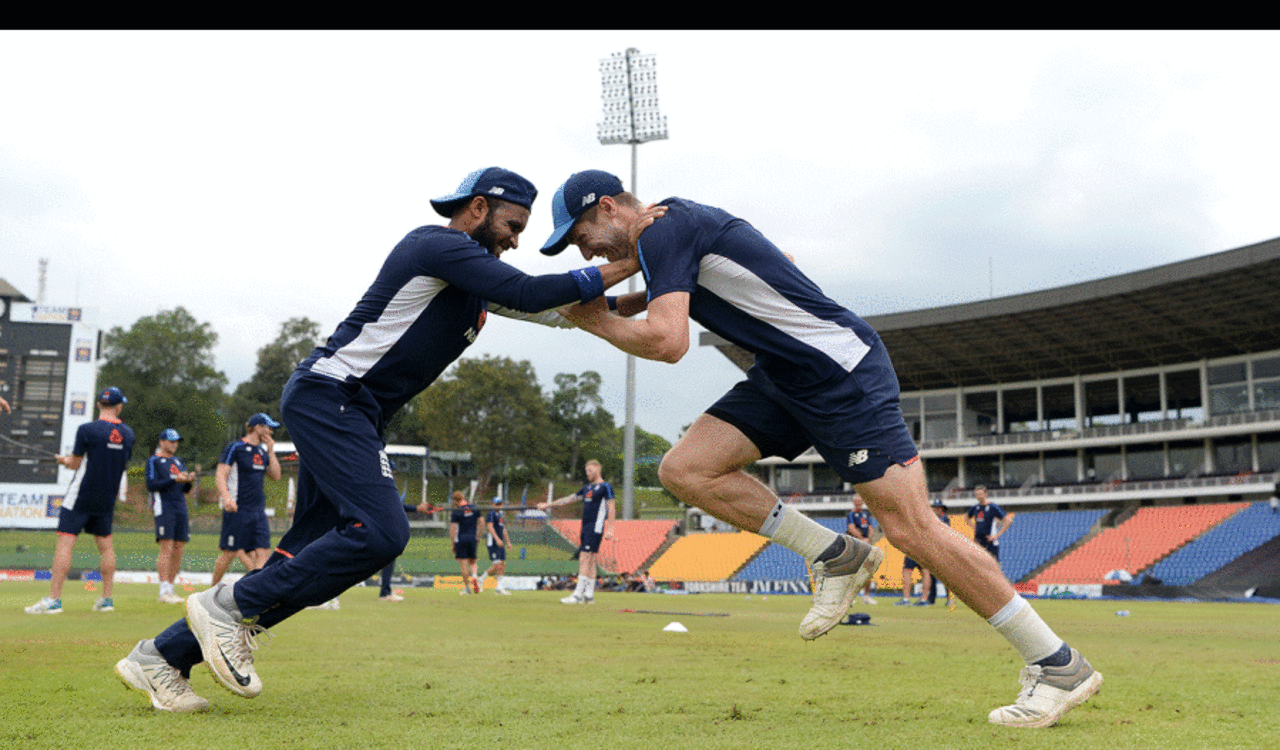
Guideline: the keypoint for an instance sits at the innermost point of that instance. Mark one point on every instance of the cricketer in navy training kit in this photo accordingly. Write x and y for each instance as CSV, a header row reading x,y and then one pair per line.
x,y
463,521
168,483
497,542
821,379
102,450
242,471
426,306
599,510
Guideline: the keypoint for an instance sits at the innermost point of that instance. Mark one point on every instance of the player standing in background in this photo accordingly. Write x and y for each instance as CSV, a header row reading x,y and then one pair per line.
x,y
168,481
426,306
598,513
858,524
462,532
242,470
497,541
98,458
821,379
982,519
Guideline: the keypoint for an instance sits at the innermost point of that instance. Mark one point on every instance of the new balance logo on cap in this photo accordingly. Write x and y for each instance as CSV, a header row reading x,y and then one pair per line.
x,y
588,199
495,190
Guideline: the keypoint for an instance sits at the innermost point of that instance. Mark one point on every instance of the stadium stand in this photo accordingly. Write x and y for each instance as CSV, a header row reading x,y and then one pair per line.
x,y
1238,535
1037,537
633,542
707,557
1137,543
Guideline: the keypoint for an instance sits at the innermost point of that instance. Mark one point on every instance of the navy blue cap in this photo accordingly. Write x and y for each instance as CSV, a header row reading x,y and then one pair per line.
x,y
261,418
170,434
112,396
495,182
573,199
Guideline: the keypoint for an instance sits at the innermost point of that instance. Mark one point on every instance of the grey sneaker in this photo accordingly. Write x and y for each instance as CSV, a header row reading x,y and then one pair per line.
x,y
165,685
226,641
835,584
1048,693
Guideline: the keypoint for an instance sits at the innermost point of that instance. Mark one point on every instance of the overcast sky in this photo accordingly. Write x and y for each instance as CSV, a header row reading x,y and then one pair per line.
x,y
256,176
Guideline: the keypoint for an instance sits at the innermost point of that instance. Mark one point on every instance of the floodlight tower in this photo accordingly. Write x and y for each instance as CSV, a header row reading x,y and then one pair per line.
x,y
630,93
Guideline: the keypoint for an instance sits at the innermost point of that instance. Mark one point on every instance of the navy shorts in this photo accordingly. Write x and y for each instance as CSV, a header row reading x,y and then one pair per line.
x,y
245,530
463,550
909,564
173,524
74,521
856,424
496,553
992,547
590,540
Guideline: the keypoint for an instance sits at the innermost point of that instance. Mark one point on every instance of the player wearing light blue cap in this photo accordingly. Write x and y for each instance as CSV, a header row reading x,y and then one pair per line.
x,y
168,483
821,379
428,303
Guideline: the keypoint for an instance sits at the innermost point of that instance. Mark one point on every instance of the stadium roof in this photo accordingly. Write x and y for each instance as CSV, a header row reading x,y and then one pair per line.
x,y
1214,306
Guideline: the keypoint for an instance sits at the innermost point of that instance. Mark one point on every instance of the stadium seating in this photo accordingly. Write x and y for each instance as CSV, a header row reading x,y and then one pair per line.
x,y
633,542
1035,538
1239,534
706,557
1134,545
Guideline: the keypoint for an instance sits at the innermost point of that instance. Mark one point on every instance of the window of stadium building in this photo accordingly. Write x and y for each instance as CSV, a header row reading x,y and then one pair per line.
x,y
825,479
1233,456
1228,388
941,472
1266,394
1145,462
980,413
1186,458
1102,465
1060,467
1102,402
1018,469
790,479
1269,452
981,470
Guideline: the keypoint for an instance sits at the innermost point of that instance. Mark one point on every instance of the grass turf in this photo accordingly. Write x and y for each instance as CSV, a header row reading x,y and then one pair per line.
x,y
444,671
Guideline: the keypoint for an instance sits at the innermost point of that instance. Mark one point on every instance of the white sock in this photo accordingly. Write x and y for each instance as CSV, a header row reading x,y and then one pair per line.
x,y
590,590
797,532
1025,631
502,583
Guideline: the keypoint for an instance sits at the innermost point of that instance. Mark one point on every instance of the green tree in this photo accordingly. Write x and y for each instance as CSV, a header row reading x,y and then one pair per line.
x,y
606,447
493,408
276,362
164,364
577,413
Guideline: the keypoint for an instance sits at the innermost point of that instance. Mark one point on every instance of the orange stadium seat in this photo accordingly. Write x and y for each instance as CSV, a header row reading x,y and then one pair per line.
x,y
633,542
1151,534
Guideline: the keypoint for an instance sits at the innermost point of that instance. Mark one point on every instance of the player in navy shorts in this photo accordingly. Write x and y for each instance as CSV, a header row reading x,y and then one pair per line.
x,y
462,531
242,470
428,303
98,459
598,513
859,524
821,379
497,542
982,517
168,483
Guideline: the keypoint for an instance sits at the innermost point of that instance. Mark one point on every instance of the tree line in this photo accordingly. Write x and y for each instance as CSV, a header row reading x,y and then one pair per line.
x,y
491,407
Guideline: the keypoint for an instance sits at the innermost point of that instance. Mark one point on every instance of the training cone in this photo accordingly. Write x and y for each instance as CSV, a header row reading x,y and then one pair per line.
x,y
676,627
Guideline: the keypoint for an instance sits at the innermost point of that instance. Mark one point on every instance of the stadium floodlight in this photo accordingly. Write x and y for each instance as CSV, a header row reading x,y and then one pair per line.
x,y
630,95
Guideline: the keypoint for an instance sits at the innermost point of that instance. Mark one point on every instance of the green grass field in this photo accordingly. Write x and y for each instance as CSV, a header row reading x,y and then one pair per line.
x,y
444,671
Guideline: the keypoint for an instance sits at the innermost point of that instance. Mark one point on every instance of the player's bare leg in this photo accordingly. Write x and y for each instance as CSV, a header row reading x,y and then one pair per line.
x,y
705,469
108,566
61,564
1057,678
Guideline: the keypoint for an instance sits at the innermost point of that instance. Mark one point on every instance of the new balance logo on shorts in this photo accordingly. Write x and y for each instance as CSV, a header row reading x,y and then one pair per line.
x,y
858,457
386,464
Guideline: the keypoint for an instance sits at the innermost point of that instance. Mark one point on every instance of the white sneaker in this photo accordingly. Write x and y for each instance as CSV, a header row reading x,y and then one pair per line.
x,y
170,599
104,605
573,599
503,592
46,606
226,642
836,582
1048,693
869,599
165,685
392,597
